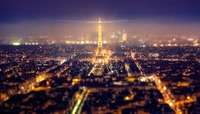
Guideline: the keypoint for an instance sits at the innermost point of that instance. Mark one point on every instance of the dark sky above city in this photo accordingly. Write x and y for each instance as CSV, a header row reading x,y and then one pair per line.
x,y
51,17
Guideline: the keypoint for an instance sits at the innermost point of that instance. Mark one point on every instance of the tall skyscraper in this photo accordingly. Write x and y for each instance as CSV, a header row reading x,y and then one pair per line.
x,y
124,36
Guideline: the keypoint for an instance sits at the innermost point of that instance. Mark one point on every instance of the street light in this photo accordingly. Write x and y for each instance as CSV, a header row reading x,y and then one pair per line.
x,y
164,88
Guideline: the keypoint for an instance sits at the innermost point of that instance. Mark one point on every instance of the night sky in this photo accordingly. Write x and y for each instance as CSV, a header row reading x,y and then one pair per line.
x,y
24,17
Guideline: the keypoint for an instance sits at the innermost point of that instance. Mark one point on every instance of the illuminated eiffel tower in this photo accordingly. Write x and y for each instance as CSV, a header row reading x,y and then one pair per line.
x,y
99,55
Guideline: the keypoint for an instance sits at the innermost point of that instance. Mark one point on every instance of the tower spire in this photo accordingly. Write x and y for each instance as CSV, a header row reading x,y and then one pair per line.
x,y
100,34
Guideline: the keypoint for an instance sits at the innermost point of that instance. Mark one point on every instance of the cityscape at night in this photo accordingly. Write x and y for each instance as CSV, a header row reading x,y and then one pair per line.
x,y
100,57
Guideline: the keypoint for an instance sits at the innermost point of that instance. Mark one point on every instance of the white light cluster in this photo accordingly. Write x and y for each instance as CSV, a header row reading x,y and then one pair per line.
x,y
31,43
16,43
80,42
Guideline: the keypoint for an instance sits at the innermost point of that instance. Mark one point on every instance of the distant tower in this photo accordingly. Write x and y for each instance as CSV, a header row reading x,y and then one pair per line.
x,y
99,56
124,36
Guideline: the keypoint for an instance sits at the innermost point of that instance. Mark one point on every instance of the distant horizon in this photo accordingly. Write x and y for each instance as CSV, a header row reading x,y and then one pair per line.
x,y
58,18
70,27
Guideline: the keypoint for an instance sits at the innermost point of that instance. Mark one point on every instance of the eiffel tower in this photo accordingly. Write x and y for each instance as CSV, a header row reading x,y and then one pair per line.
x,y
99,55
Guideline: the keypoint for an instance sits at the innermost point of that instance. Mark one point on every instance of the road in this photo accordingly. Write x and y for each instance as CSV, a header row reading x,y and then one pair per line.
x,y
166,92
83,102
80,102
168,97
97,70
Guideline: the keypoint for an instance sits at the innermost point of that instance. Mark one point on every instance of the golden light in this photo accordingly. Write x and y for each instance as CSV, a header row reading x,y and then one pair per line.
x,y
77,96
127,98
67,42
75,80
39,79
165,88
170,104
32,87
188,97
47,83
196,44
159,81
131,79
155,45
